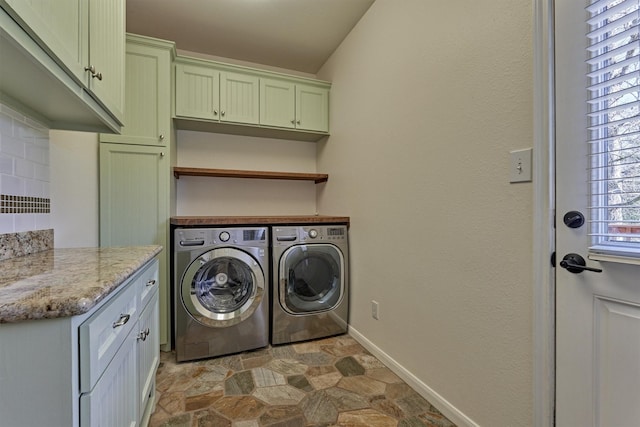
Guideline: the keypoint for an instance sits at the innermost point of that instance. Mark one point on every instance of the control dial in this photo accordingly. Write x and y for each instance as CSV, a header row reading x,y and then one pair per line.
x,y
224,236
313,233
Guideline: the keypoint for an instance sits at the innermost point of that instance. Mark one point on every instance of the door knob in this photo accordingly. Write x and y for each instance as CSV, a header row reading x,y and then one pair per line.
x,y
573,219
574,263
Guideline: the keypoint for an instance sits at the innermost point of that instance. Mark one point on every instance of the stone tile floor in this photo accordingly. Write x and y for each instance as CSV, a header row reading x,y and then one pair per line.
x,y
328,382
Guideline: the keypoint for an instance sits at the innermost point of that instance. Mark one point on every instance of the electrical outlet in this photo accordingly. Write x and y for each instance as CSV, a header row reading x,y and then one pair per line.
x,y
375,307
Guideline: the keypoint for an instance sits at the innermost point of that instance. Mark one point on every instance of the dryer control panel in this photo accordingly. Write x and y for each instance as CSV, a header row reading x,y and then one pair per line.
x,y
309,234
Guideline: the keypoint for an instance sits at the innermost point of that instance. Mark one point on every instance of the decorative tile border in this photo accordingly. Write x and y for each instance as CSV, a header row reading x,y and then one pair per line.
x,y
24,204
13,245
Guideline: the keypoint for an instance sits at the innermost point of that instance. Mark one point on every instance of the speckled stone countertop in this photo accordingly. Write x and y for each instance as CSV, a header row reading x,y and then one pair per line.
x,y
65,282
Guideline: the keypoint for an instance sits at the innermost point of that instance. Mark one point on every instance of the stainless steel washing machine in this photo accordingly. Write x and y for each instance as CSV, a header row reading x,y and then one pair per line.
x,y
221,293
310,296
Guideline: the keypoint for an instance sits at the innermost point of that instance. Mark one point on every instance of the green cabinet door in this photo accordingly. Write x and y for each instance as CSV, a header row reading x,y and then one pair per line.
x,y
277,103
239,98
134,206
197,92
107,53
312,108
61,25
147,113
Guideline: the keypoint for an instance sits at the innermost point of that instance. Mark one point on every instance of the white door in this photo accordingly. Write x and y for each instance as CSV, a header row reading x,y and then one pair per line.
x,y
597,314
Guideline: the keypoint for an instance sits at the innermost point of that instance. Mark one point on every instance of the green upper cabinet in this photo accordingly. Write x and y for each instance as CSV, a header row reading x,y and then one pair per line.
x,y
294,105
61,25
197,92
220,97
148,92
206,93
107,54
63,61
239,98
277,103
312,108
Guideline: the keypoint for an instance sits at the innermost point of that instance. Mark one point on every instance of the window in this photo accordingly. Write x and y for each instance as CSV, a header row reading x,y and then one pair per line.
x,y
614,120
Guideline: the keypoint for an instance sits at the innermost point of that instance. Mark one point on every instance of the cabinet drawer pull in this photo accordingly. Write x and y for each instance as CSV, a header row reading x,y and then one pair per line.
x,y
161,137
124,318
151,282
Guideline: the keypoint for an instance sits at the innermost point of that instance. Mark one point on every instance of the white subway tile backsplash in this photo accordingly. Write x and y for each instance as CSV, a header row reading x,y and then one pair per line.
x,y
6,223
25,222
43,221
24,173
12,185
6,165
34,188
37,154
13,146
25,169
6,125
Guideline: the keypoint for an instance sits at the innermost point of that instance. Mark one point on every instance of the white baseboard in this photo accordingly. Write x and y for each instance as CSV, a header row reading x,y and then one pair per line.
x,y
448,410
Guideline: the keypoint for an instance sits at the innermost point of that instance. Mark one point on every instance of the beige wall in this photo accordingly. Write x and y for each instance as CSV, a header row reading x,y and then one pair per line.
x,y
74,188
229,196
428,99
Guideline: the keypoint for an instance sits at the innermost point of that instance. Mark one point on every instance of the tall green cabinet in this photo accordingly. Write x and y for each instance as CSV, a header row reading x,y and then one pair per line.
x,y
137,192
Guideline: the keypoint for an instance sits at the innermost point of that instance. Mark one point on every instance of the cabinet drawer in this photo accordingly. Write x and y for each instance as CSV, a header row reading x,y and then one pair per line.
x,y
148,283
103,333
113,400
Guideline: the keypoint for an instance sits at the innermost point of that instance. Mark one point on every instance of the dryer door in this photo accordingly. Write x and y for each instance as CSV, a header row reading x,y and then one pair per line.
x,y
222,287
311,278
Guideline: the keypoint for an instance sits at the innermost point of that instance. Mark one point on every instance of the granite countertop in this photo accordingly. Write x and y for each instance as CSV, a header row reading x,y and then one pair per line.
x,y
65,282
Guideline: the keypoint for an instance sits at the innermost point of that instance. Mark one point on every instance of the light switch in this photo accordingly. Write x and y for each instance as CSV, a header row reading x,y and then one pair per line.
x,y
520,165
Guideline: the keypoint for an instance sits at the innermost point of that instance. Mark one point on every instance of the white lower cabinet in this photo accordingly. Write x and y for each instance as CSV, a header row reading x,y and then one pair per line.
x,y
117,384
148,342
112,401
92,370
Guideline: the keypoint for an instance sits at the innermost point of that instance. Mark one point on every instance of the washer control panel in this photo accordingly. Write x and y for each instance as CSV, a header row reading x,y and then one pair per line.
x,y
192,238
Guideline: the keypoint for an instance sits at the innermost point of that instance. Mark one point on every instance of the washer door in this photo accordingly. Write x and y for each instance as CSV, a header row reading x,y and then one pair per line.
x,y
311,278
222,287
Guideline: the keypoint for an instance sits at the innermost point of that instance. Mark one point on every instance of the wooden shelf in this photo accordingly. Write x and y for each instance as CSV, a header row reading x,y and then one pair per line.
x,y
232,173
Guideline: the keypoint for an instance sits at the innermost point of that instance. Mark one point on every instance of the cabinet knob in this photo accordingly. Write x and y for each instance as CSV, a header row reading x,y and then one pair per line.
x,y
298,122
293,122
143,335
215,112
161,137
222,113
92,70
162,154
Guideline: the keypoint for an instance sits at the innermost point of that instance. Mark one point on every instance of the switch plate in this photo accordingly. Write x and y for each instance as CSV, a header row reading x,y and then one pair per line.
x,y
520,165
374,309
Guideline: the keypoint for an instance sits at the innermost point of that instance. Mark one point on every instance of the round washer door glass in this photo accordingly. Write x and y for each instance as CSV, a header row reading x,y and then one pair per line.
x,y
311,278
222,287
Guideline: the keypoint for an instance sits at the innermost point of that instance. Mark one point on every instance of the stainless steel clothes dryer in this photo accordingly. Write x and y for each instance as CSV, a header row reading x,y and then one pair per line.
x,y
310,282
221,292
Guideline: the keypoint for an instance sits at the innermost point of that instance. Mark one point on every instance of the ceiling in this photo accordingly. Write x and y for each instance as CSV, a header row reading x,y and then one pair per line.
x,y
292,34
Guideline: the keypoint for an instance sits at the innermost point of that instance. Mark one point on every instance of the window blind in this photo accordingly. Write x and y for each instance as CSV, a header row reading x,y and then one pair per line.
x,y
613,86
